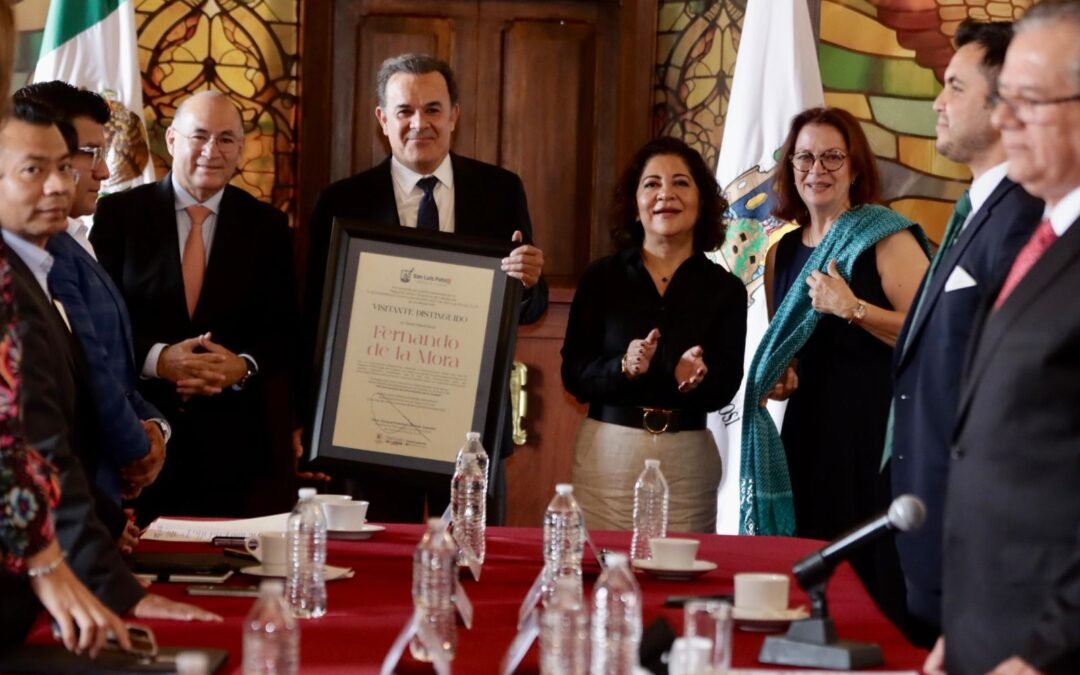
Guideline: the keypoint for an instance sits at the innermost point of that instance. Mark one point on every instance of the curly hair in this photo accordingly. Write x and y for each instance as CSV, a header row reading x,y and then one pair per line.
x,y
626,229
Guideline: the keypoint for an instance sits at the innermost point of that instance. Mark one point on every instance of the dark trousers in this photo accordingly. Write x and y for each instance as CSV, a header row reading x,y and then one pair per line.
x,y
19,608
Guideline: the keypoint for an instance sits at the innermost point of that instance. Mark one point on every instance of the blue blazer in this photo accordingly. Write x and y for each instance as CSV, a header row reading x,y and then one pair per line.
x,y
99,318
927,375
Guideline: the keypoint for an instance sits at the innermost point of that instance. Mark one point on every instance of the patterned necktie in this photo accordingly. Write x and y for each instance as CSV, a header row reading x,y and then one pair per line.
x,y
194,264
427,216
1041,240
952,230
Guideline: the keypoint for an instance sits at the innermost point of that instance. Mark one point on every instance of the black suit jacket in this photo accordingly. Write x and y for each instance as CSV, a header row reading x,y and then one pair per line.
x,y
489,202
60,420
927,376
225,443
1012,519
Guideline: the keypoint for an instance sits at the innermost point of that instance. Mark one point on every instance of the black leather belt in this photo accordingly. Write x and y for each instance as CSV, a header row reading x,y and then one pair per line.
x,y
653,420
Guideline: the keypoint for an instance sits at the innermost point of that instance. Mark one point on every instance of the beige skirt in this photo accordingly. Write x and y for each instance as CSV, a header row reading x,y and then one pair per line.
x,y
608,458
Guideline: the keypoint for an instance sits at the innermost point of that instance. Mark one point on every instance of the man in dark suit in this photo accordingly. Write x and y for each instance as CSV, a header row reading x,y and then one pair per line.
x,y
1012,521
134,431
423,185
991,222
206,272
58,411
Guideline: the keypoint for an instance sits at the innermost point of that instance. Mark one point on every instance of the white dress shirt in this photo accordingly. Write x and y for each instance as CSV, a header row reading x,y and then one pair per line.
x,y
981,188
80,231
1065,212
407,194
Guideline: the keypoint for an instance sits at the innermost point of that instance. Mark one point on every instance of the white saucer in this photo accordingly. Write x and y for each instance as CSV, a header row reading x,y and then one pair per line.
x,y
675,573
763,620
365,532
331,572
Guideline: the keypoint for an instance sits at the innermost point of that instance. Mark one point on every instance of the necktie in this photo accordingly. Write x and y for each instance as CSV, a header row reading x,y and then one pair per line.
x,y
952,230
1041,240
427,216
194,264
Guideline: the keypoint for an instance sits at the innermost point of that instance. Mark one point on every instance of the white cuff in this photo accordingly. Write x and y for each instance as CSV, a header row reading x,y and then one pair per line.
x,y
149,368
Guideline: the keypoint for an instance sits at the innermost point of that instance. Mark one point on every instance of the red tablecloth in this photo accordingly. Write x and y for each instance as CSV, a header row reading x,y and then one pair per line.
x,y
366,612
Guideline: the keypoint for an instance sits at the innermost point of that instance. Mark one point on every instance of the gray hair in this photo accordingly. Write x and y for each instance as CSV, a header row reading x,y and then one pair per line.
x,y
414,64
1050,12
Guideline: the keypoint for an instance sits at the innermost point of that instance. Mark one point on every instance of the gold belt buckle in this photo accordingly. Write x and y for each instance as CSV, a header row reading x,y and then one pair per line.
x,y
646,412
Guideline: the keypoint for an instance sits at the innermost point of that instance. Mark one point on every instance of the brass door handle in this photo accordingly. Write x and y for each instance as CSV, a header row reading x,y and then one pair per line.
x,y
519,375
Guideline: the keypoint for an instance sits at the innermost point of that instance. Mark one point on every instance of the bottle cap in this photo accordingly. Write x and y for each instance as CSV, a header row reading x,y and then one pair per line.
x,y
652,464
192,662
473,436
564,489
307,493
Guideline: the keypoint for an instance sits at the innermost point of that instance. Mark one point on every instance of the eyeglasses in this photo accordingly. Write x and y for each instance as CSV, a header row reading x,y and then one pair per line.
x,y
1027,110
831,160
96,154
226,143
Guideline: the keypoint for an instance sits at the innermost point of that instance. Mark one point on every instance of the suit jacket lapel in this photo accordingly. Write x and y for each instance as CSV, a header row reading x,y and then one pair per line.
x,y
466,197
383,200
952,257
163,219
48,308
1058,258
226,248
114,293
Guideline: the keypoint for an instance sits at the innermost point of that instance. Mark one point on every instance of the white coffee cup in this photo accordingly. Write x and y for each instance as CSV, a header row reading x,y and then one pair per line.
x,y
761,591
269,548
345,516
674,553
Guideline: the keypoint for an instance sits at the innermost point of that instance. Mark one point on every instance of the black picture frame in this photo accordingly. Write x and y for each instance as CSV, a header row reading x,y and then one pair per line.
x,y
349,239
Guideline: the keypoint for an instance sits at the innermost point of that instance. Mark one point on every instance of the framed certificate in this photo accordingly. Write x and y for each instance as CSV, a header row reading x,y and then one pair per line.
x,y
414,348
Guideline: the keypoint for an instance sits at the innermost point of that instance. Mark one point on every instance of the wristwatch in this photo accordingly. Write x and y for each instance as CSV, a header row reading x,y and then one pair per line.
x,y
166,429
252,369
859,313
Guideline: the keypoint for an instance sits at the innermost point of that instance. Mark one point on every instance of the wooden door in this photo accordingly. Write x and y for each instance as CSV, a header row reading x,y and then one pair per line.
x,y
558,92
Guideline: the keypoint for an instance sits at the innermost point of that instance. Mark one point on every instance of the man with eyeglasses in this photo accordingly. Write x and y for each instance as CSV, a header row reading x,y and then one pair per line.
x,y
989,224
133,431
1012,518
207,273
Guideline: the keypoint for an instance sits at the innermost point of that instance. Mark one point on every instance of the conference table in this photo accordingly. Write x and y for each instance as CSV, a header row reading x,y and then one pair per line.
x,y
366,612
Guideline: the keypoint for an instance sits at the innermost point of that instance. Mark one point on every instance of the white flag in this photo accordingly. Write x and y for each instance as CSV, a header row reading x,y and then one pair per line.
x,y
93,44
776,77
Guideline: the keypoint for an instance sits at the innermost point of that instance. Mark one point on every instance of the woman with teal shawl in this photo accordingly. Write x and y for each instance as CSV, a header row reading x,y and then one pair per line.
x,y
838,289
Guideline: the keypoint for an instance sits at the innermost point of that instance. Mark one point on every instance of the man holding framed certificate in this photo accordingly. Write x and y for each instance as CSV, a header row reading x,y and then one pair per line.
x,y
422,185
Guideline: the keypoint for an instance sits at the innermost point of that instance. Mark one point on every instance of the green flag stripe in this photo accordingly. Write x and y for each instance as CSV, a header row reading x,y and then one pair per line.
x,y
68,18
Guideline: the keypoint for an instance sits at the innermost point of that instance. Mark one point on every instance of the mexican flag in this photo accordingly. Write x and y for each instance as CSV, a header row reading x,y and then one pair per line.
x,y
92,44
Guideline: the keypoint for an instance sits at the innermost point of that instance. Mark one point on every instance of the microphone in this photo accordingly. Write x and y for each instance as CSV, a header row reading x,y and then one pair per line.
x,y
906,513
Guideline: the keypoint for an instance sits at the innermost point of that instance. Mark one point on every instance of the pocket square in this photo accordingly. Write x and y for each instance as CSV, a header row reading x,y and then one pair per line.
x,y
959,279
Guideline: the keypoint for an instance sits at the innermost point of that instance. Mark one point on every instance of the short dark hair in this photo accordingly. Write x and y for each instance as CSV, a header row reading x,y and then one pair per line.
x,y
68,101
994,38
35,112
626,229
414,64
866,181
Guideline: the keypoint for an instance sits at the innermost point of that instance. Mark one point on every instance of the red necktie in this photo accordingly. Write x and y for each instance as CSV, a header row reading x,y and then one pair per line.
x,y
194,264
1041,240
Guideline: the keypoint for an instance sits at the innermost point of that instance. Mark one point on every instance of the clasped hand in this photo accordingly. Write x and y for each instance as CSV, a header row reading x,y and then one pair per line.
x,y
524,263
200,367
689,371
830,294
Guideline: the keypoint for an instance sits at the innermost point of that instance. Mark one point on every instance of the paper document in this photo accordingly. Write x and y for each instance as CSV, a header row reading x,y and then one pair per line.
x,y
179,529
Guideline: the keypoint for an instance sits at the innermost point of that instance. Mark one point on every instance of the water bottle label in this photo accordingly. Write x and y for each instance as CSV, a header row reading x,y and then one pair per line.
x,y
531,598
528,631
398,648
463,604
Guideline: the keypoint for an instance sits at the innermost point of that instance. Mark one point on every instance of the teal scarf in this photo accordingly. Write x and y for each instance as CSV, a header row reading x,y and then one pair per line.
x,y
765,501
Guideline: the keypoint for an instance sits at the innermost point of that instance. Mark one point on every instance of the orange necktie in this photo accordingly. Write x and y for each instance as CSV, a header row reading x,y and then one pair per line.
x,y
194,264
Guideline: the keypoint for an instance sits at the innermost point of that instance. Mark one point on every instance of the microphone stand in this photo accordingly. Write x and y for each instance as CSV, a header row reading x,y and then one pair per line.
x,y
812,642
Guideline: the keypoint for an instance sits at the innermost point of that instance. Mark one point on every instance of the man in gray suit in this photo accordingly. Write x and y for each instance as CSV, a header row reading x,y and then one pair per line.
x,y
1012,520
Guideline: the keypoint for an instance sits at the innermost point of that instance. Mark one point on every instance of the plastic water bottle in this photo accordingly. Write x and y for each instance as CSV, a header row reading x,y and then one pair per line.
x,y
564,541
650,510
271,635
616,619
434,574
305,587
564,633
468,497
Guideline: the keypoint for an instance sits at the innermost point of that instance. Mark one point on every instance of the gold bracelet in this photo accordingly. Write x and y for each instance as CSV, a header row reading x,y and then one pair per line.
x,y
46,569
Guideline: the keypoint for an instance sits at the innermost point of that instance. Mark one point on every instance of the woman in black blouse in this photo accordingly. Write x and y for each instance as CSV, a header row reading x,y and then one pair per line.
x,y
654,342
